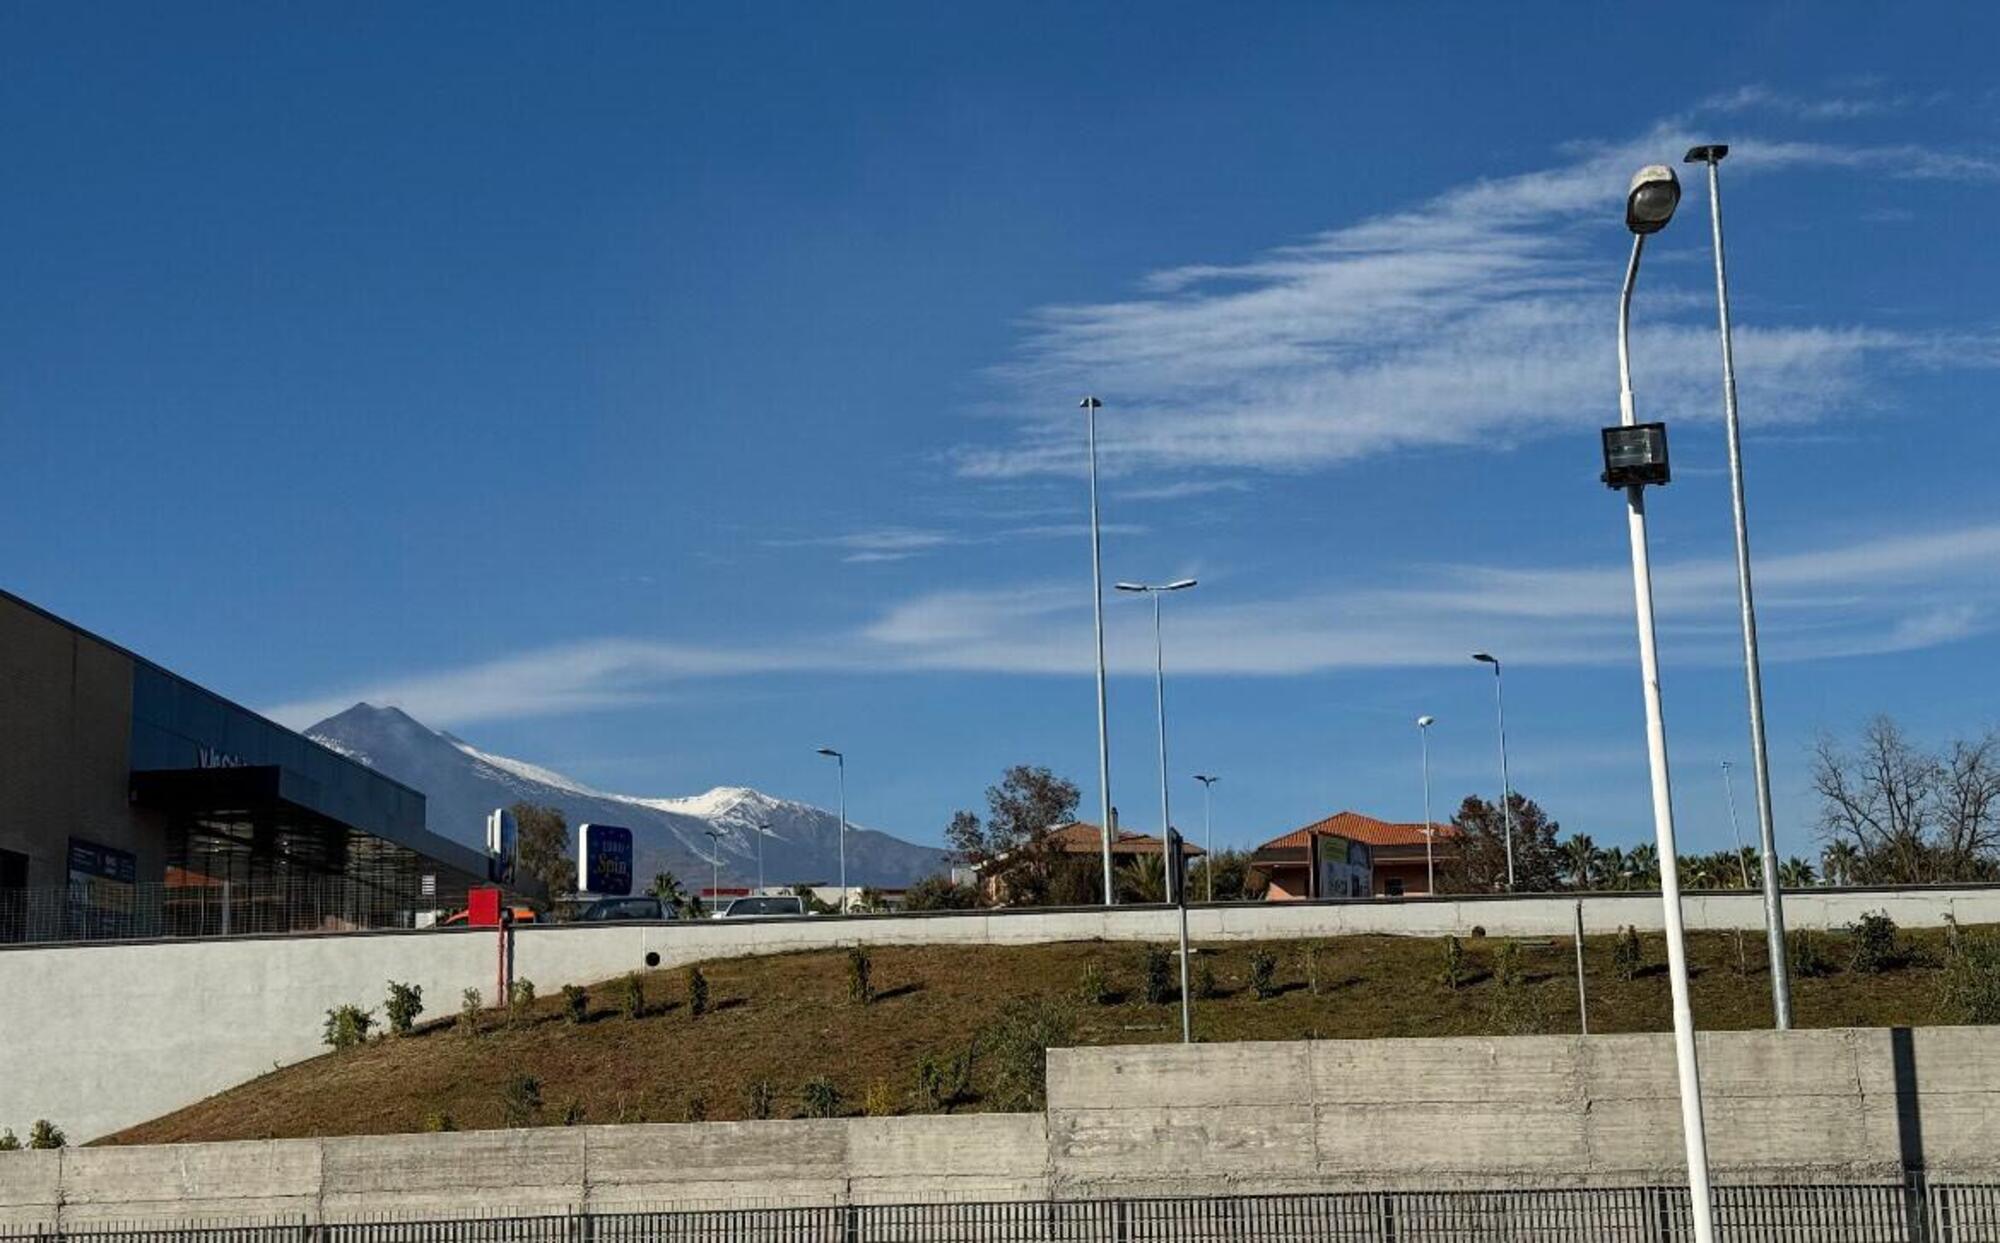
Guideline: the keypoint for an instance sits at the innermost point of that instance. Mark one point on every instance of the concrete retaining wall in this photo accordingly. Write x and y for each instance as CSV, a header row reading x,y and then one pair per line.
x,y
1541,1111
98,1037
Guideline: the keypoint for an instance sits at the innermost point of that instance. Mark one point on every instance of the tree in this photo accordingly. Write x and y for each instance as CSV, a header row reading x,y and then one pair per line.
x,y
1910,816
1012,845
940,893
1235,879
1581,860
542,848
1479,863
1796,873
667,888
1143,879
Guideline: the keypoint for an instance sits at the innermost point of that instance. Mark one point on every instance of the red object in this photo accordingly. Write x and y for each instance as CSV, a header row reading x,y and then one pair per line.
x,y
483,907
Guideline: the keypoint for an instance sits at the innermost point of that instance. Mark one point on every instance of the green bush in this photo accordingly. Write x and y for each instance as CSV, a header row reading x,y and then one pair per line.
x,y
822,1099
470,1003
696,1109
1319,967
1093,988
1205,987
1453,974
346,1027
860,976
632,996
45,1134
572,1112
520,1000
1159,974
944,1082
405,1003
697,993
1969,986
437,1120
1626,955
1263,974
9,1142
576,1003
1807,950
1873,943
520,1100
1018,1043
879,1101
1507,969
758,1099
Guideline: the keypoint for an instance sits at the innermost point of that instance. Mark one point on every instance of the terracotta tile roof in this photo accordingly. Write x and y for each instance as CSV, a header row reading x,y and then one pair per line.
x,y
1080,837
1359,828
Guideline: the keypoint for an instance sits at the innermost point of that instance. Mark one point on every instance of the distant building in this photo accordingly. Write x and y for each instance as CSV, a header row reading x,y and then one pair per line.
x,y
1349,855
1080,839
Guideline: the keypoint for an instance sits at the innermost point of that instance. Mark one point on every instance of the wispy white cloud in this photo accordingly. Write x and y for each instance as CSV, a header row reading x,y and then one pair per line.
x,y
1186,489
902,543
1847,107
1889,594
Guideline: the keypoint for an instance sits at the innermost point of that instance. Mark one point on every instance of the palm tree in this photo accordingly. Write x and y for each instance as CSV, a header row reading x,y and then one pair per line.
x,y
1698,871
1612,866
1644,860
667,888
1839,861
1144,879
1582,857
1796,873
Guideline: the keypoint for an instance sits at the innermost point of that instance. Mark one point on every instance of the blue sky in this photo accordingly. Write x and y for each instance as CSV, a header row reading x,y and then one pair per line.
x,y
659,392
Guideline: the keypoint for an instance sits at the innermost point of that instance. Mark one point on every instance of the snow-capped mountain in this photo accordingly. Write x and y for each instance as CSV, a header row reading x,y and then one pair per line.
x,y
462,783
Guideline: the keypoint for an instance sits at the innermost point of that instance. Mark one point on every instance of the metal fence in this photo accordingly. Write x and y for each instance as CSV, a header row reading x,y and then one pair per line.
x,y
306,902
1915,1211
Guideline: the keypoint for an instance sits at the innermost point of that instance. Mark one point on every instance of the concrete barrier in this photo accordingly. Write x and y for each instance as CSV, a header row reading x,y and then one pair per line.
x,y
101,1036
1839,1106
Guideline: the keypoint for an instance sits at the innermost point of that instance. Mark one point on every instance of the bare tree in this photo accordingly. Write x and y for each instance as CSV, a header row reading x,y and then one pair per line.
x,y
1909,816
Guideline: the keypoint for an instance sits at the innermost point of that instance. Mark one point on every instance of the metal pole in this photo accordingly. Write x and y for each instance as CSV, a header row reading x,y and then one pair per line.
x,y
1506,785
1582,1002
1430,829
1774,903
1208,831
1160,696
843,834
763,831
1090,408
1742,855
1692,1129
1187,998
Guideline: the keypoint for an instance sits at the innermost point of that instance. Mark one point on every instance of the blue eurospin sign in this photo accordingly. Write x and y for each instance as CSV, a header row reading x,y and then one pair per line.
x,y
604,860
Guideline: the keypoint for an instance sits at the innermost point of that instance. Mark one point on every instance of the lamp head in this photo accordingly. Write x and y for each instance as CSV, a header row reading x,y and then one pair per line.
x,y
1650,203
1708,153
830,753
1090,403
1425,722
1486,658
1180,584
1131,586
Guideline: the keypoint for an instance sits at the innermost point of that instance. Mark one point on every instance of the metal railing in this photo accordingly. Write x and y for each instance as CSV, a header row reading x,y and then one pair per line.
x,y
306,902
1914,1211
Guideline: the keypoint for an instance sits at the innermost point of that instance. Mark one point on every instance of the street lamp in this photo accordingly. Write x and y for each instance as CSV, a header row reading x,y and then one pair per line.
x,y
1649,204
714,836
1506,786
1207,831
763,831
841,761
1160,696
1753,673
1424,724
1090,406
1729,794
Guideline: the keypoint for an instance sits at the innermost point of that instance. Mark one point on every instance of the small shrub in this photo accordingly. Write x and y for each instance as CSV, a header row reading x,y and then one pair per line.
x,y
1478,932
1018,1043
632,996
697,993
405,1003
1263,974
879,1101
437,1121
1205,987
1807,951
1159,972
821,1097
758,1099
520,1000
1626,955
1454,963
572,1112
944,1082
45,1134
347,1026
696,1109
1319,967
860,976
1507,967
9,1142
576,1003
1093,988
1969,986
1875,949
470,1003
520,1100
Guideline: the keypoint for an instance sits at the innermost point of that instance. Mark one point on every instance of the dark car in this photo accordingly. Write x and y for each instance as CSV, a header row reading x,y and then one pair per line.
x,y
620,910
764,905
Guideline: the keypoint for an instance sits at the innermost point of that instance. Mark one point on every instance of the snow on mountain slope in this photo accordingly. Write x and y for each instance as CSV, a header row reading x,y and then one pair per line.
x,y
462,783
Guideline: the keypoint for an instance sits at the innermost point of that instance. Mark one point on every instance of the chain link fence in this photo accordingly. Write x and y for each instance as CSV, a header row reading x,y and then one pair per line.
x,y
306,902
1914,1211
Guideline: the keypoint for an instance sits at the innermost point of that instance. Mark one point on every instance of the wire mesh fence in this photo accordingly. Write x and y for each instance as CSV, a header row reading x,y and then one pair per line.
x,y
1914,1211
303,902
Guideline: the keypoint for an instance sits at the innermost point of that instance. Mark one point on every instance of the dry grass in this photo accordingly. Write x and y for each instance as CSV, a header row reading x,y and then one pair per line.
x,y
785,1019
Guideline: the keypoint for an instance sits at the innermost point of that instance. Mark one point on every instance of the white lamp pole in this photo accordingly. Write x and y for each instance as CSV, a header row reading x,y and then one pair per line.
x,y
714,867
841,761
1156,591
1506,786
1207,831
1753,671
1649,205
1091,406
763,831
1424,724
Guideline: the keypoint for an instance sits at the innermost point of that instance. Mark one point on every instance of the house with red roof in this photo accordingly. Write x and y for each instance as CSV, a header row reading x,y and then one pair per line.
x,y
1082,840
1349,855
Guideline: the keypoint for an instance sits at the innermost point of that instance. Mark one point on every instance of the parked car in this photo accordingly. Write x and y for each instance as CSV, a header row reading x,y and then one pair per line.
x,y
765,906
621,910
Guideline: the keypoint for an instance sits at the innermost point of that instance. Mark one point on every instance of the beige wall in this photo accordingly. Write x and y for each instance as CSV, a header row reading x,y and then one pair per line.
x,y
65,734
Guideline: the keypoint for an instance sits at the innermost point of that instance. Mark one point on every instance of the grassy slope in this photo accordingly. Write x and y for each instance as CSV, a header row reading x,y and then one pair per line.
x,y
787,1018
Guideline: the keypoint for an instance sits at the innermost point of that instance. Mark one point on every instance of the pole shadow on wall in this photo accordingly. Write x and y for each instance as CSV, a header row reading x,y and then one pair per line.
x,y
1909,1130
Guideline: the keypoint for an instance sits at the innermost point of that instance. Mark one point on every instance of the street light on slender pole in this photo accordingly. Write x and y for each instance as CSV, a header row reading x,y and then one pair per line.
x,y
1742,855
1753,671
841,761
1506,786
1635,455
1090,407
1160,695
763,831
1424,724
1207,831
714,867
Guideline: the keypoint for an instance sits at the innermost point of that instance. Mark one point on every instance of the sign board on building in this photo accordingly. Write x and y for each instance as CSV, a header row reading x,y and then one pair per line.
x,y
1344,868
501,835
604,860
90,861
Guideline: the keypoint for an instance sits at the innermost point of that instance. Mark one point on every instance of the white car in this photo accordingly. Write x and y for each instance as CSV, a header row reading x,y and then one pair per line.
x,y
768,906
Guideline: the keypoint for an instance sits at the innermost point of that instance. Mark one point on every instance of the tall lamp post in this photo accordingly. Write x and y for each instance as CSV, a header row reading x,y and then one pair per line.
x,y
1753,671
1156,591
1735,833
1424,724
763,831
1506,786
1635,455
1207,831
1090,406
841,761
714,867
